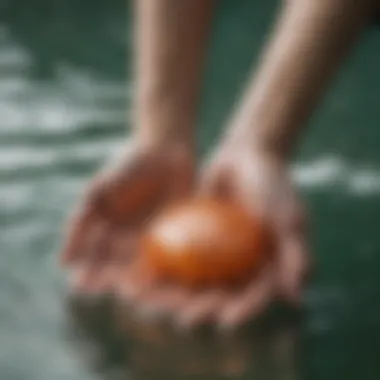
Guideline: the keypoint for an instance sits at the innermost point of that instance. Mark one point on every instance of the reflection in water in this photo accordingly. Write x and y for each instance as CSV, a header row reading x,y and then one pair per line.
x,y
117,345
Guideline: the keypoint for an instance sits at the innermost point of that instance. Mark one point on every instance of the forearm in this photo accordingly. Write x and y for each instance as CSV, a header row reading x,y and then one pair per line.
x,y
310,41
170,39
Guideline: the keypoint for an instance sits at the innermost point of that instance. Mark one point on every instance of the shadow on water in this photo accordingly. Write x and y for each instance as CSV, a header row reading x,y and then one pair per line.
x,y
117,346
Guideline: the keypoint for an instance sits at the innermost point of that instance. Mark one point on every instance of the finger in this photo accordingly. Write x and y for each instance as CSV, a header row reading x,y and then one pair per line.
x,y
76,237
134,282
98,247
78,278
83,278
80,224
93,276
120,253
201,309
293,251
103,280
249,303
104,250
292,267
104,256
95,257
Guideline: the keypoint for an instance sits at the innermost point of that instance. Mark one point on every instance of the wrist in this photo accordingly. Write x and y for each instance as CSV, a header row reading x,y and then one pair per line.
x,y
163,121
162,140
150,139
259,141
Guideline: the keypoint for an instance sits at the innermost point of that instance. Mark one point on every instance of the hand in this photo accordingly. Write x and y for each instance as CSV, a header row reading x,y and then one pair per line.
x,y
104,228
260,182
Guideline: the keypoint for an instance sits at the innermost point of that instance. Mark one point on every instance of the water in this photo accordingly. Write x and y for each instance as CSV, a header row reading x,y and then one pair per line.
x,y
64,98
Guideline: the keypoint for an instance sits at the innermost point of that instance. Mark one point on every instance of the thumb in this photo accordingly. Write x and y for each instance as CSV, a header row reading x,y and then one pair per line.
x,y
293,256
292,266
217,183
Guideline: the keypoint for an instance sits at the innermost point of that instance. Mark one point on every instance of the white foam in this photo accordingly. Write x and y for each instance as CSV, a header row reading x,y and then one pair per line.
x,y
17,158
60,107
329,173
364,182
320,172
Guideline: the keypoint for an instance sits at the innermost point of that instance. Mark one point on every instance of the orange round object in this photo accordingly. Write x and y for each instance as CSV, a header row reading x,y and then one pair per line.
x,y
206,242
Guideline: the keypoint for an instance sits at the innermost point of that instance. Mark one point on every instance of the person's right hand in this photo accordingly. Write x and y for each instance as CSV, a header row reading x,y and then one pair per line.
x,y
102,232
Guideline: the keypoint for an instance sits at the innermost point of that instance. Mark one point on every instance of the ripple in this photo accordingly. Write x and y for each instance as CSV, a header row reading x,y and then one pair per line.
x,y
74,100
323,171
49,115
333,173
13,158
84,84
11,87
365,182
12,56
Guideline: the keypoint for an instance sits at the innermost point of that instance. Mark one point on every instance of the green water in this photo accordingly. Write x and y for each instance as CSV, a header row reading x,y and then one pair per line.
x,y
64,93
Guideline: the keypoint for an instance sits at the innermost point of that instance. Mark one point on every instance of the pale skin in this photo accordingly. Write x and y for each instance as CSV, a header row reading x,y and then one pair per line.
x,y
250,164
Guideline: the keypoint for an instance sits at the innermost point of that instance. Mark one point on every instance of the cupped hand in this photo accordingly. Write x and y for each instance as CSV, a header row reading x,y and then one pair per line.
x,y
260,182
102,233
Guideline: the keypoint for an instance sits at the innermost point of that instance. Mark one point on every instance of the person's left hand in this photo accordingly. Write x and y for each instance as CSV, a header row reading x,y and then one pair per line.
x,y
260,182
102,233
